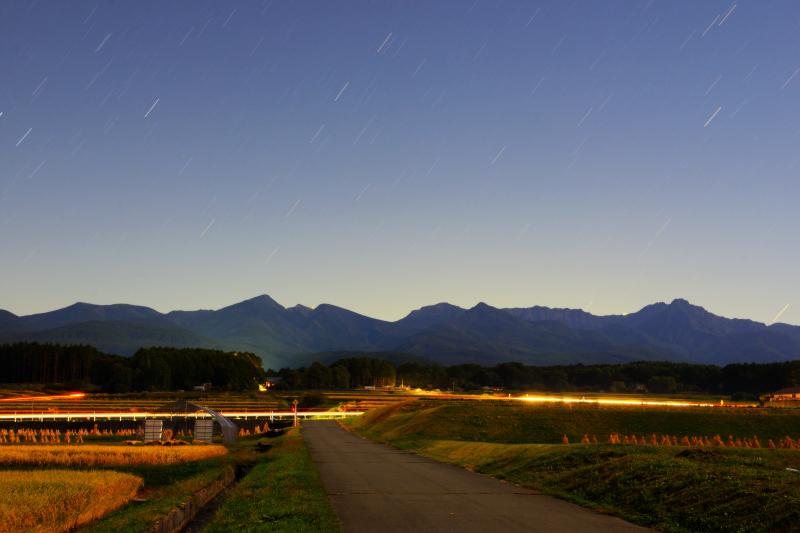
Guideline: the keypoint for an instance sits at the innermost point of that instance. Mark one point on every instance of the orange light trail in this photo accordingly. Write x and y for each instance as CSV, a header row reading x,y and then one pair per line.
x,y
623,401
70,396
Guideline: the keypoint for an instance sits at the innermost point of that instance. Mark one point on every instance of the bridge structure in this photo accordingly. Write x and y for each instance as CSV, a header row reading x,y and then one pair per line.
x,y
227,426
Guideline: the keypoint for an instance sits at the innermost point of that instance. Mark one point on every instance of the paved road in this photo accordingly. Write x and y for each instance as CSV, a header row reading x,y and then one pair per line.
x,y
377,488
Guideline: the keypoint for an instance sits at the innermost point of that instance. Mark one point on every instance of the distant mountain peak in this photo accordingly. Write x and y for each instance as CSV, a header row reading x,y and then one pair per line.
x,y
438,308
676,303
677,330
685,306
335,310
428,316
682,303
9,320
441,305
262,300
327,308
87,306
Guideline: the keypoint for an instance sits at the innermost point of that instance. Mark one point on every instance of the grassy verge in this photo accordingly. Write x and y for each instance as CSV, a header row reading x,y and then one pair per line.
x,y
282,493
517,422
60,500
672,488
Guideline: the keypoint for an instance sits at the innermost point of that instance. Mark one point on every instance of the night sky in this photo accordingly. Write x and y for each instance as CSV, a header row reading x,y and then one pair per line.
x,y
382,156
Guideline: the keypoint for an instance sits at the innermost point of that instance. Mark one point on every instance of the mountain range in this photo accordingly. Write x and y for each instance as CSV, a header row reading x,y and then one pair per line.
x,y
442,333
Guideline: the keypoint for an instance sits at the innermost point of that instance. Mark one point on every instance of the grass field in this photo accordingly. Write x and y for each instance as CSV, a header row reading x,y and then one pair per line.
x,y
517,422
282,493
59,500
96,455
671,488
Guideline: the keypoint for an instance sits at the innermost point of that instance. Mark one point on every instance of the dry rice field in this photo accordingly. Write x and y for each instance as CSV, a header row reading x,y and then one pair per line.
x,y
91,455
52,501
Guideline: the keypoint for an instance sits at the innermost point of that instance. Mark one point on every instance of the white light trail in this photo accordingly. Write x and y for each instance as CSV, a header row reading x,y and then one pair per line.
x,y
389,36
314,137
363,191
102,43
151,108
271,255
419,67
536,14
291,209
714,114
229,17
24,136
711,87
780,313
37,169
558,44
738,108
187,36
536,87
183,168
728,14
499,154
203,234
341,91
663,227
257,46
90,14
689,38
364,130
127,415
39,87
789,80
710,26
585,116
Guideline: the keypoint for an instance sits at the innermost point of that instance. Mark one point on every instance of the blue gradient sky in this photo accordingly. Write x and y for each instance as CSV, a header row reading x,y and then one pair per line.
x,y
386,155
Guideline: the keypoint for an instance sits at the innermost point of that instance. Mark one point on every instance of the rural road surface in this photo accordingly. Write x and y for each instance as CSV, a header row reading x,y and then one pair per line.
x,y
377,488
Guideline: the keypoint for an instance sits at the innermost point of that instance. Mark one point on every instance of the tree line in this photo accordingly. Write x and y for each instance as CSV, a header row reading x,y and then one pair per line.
x,y
346,373
742,380
157,368
163,368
